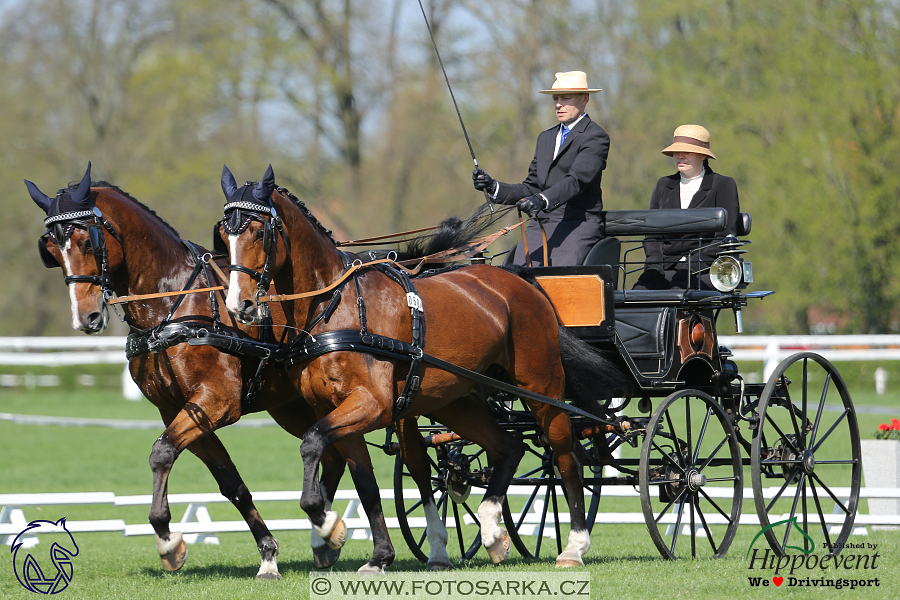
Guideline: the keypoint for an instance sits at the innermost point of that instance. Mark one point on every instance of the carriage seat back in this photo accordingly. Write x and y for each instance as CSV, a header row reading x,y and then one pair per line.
x,y
606,252
662,221
743,224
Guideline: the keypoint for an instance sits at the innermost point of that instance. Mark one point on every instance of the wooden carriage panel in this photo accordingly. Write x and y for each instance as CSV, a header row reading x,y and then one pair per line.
x,y
579,300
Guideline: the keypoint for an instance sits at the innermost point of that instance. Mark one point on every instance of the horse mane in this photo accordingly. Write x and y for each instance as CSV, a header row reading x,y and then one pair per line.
x,y
108,185
307,213
450,233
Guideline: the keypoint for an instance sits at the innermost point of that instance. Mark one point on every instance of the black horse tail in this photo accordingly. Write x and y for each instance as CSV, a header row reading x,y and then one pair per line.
x,y
593,376
450,233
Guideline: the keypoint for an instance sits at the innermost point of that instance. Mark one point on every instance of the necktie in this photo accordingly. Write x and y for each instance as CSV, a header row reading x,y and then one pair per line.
x,y
562,139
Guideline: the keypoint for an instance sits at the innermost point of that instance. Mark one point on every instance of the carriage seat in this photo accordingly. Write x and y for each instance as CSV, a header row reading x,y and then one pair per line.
x,y
605,252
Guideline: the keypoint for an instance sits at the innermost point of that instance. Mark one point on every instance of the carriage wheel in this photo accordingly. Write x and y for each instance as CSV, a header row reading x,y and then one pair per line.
x,y
691,477
806,445
451,496
538,517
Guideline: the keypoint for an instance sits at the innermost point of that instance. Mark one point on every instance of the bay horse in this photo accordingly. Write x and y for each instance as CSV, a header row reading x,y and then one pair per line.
x,y
481,318
109,243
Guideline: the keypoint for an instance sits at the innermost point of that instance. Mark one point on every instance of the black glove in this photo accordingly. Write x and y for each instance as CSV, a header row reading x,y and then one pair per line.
x,y
531,205
483,182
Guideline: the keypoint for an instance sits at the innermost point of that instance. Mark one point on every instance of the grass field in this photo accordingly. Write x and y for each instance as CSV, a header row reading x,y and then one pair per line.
x,y
623,562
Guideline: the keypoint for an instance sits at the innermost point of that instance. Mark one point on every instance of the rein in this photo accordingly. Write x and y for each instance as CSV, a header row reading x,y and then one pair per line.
x,y
474,247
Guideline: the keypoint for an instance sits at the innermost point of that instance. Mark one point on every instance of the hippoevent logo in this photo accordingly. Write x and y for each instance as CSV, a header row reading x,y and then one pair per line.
x,y
45,579
805,568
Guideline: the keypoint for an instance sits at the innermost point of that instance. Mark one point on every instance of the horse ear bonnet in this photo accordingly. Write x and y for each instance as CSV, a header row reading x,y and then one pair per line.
x,y
247,197
66,201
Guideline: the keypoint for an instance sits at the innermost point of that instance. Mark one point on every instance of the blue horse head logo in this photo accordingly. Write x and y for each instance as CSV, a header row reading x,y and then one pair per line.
x,y
29,572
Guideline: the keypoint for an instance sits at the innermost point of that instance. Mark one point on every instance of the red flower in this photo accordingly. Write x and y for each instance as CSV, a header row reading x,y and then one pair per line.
x,y
884,427
895,424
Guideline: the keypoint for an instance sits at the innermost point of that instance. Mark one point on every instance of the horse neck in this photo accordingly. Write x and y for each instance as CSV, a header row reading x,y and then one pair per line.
x,y
315,261
154,260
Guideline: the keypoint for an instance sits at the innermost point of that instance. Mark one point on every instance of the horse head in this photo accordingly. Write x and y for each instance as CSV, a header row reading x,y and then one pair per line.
x,y
249,235
75,240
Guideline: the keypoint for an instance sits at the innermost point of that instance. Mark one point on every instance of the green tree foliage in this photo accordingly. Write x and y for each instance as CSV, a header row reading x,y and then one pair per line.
x,y
346,99
802,100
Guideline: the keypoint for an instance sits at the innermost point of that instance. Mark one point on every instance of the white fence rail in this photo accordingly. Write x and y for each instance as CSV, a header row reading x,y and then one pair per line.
x,y
198,527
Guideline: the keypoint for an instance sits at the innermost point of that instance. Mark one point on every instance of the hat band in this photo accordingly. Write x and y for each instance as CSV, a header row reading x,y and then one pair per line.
x,y
690,140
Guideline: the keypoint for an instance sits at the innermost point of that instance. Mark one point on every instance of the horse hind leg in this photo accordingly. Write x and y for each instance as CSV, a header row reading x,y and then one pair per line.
x,y
557,427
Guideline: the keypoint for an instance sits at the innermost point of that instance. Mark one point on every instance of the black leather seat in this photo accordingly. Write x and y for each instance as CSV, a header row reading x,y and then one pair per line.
x,y
606,252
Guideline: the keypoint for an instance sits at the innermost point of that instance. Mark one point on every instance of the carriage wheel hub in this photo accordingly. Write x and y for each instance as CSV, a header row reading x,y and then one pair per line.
x,y
808,461
695,480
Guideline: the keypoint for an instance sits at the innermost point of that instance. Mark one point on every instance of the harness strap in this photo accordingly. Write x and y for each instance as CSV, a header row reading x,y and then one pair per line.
x,y
122,299
351,340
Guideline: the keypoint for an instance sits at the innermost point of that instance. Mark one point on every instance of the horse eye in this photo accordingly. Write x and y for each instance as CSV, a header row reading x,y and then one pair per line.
x,y
260,234
86,247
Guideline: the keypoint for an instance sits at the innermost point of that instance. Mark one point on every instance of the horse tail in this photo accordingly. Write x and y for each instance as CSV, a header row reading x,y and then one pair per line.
x,y
450,233
592,375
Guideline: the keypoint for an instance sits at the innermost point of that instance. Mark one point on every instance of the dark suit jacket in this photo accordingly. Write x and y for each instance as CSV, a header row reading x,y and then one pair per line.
x,y
571,184
715,191
573,177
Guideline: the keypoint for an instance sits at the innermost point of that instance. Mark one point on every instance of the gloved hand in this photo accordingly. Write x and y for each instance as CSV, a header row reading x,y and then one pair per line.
x,y
531,205
483,182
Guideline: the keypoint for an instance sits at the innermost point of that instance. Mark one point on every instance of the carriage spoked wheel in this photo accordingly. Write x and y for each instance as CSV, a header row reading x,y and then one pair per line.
x,y
452,467
805,458
691,477
533,519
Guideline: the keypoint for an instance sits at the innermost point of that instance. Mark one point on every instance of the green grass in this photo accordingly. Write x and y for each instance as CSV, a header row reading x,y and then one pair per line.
x,y
623,562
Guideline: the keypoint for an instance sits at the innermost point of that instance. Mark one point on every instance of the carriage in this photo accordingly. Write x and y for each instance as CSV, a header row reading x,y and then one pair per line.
x,y
681,437
692,424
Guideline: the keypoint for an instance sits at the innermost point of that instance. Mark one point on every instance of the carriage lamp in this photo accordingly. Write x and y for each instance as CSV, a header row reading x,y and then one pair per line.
x,y
725,273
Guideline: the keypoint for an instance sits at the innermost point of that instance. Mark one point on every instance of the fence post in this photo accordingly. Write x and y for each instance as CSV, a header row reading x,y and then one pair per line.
x,y
772,357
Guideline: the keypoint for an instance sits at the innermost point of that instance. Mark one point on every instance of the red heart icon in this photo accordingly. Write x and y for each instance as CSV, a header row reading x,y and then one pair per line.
x,y
778,580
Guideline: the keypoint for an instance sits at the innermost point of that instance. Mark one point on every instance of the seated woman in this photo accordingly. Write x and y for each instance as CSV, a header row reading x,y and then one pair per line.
x,y
695,185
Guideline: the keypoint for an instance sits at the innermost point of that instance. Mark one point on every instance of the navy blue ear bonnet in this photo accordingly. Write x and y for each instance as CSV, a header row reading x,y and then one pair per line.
x,y
244,204
254,198
63,211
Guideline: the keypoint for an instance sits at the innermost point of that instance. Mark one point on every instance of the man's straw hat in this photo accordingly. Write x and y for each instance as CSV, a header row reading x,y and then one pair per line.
x,y
690,138
571,82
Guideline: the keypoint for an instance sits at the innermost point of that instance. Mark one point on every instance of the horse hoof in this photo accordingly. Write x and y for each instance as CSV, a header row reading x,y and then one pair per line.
x,y
499,550
338,535
439,566
324,557
563,563
368,569
173,553
268,575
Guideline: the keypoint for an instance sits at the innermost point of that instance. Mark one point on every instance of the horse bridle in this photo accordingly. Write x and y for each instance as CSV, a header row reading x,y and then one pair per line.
x,y
238,216
60,227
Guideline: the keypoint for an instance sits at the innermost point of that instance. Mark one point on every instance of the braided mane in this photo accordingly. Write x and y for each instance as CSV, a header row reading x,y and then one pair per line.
x,y
108,185
307,213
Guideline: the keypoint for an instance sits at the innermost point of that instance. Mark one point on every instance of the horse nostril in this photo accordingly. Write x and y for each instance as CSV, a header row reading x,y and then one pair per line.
x,y
94,320
245,306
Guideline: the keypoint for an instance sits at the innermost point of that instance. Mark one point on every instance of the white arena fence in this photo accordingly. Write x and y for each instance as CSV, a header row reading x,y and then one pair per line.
x,y
770,350
198,527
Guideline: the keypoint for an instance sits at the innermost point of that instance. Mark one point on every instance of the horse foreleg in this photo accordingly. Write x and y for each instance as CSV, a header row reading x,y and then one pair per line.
x,y
295,418
357,455
170,545
558,428
189,425
470,418
359,413
214,455
417,464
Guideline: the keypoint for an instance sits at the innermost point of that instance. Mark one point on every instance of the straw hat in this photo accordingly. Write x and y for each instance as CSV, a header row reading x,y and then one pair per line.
x,y
573,82
690,138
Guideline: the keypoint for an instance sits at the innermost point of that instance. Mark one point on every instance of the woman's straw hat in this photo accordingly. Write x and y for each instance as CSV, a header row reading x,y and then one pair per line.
x,y
572,82
690,138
